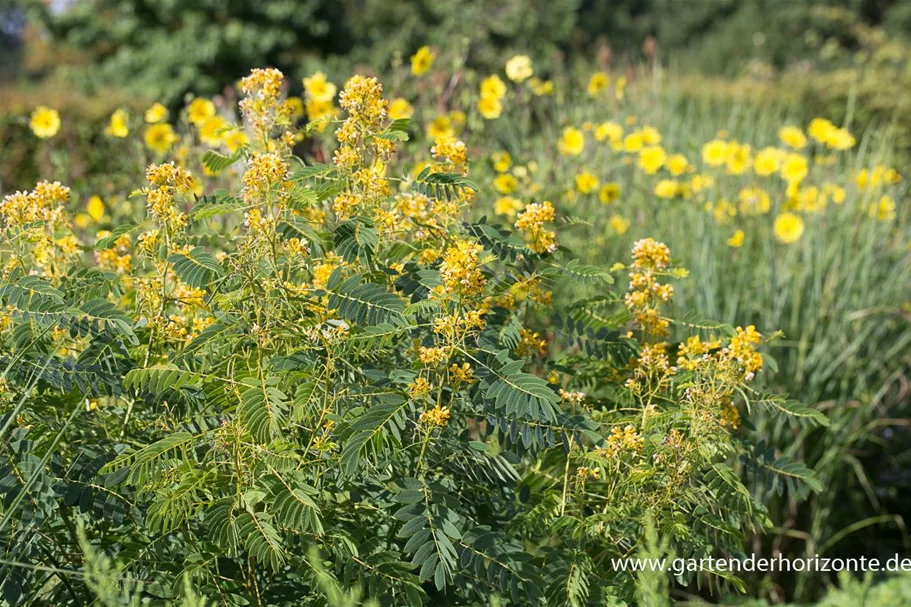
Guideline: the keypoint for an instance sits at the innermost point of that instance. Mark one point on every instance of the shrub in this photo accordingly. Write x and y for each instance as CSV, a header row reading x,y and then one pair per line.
x,y
325,376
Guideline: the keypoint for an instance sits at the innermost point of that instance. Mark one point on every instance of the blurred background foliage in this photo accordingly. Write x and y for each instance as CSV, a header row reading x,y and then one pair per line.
x,y
846,59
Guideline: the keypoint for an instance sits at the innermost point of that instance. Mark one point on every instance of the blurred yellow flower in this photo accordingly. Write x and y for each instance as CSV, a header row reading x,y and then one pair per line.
x,y
650,135
95,208
235,139
633,142
572,143
505,183
609,193
44,122
501,161
160,137
156,113
440,127
736,240
619,224
754,201
841,139
597,83
739,158
400,108
492,86
788,228
821,129
651,159
518,69
794,168
883,209
118,126
541,87
608,130
792,137
586,182
677,164
318,88
421,61
666,188
508,206
200,110
715,152
211,131
490,107
767,161
295,107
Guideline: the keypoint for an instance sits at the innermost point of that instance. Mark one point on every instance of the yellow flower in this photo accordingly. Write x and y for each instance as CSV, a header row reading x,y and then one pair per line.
x,y
421,61
677,164
609,193
493,87
821,129
200,110
794,168
160,137
118,126
738,159
608,130
319,89
792,137
440,127
572,143
715,152
754,201
837,193
95,208
619,224
651,159
156,113
490,107
633,142
508,206
501,161
541,87
650,135
597,83
586,182
235,139
767,161
519,68
400,108
505,183
621,87
211,131
736,240
883,209
788,228
666,188
295,107
44,122
841,139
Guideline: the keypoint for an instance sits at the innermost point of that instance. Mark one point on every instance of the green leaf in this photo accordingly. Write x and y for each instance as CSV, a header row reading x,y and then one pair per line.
x,y
199,269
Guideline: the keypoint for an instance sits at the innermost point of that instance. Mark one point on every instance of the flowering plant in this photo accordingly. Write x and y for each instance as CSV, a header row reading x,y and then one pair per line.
x,y
326,377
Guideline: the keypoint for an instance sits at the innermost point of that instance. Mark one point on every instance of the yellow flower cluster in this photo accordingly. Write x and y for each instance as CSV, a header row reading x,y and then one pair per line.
x,y
531,343
167,180
451,151
645,293
438,417
626,439
531,222
461,268
45,227
743,350
266,173
262,107
45,203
